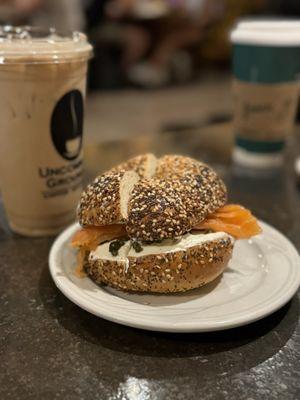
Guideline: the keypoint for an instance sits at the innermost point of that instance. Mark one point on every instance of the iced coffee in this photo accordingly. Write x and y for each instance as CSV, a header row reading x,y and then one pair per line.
x,y
42,87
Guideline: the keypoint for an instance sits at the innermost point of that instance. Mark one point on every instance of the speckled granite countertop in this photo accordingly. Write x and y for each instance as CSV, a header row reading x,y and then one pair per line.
x,y
51,349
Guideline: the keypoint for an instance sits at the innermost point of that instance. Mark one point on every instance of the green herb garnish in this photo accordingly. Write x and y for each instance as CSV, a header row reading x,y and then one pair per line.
x,y
137,247
115,246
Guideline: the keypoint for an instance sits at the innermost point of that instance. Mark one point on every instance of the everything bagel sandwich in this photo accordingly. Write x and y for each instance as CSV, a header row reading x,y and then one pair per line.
x,y
158,225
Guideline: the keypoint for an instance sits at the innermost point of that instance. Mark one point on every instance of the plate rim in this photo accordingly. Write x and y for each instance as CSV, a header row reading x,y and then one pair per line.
x,y
169,327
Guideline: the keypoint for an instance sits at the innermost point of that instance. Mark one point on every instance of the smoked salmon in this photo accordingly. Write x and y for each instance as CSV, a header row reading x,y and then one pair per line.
x,y
87,239
90,237
233,219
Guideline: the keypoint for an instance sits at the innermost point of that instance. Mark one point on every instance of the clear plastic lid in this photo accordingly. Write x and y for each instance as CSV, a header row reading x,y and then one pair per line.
x,y
25,44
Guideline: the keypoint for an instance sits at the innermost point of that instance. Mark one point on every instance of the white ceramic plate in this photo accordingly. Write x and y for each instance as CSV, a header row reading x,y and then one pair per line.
x,y
262,276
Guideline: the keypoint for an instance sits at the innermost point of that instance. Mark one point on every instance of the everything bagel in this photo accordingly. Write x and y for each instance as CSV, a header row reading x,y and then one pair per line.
x,y
160,213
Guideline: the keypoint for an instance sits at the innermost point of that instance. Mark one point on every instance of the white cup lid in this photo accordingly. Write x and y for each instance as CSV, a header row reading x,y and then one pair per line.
x,y
267,32
26,44
267,24
266,38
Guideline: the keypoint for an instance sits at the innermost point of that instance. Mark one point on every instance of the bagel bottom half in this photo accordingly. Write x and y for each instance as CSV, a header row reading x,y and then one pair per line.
x,y
170,266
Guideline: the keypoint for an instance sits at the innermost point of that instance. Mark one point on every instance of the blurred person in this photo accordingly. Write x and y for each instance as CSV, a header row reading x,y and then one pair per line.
x,y
216,48
95,12
22,6
17,11
177,24
140,20
61,14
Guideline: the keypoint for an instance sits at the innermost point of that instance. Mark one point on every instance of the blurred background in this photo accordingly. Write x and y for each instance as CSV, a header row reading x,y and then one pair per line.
x,y
158,65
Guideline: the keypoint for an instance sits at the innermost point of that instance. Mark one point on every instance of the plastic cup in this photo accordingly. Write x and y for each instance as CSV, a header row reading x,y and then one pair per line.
x,y
42,86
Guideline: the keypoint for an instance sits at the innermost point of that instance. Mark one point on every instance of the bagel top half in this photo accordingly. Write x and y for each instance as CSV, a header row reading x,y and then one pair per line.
x,y
156,199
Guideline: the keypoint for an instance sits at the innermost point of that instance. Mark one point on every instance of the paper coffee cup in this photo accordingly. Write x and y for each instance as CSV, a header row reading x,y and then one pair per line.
x,y
42,86
266,64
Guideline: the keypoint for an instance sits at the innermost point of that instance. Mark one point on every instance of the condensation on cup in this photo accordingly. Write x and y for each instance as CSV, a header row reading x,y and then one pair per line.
x,y
42,86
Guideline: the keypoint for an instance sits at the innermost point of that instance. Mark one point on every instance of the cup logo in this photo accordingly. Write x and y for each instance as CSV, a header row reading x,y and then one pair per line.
x,y
67,125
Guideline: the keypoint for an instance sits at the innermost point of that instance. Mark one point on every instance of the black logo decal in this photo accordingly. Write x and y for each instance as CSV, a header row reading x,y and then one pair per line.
x,y
67,125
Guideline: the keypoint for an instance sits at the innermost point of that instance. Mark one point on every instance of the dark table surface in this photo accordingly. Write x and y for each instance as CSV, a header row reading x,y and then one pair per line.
x,y
51,349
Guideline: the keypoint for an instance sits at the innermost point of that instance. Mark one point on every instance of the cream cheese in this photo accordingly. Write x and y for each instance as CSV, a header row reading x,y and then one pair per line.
x,y
171,246
102,252
166,246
